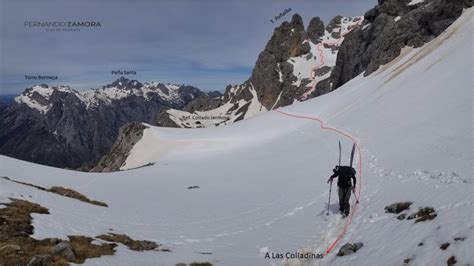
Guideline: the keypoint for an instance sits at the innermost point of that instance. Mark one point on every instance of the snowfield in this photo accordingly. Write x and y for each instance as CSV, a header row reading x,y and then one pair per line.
x,y
263,180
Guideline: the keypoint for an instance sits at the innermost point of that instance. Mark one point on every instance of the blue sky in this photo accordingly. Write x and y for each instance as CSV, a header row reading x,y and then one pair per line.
x,y
206,43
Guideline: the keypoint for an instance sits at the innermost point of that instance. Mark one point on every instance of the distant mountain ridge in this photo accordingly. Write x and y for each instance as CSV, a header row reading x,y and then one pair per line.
x,y
63,127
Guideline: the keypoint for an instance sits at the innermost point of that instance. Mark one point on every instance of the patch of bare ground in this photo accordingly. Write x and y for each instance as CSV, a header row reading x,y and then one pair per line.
x,y
67,192
62,191
17,247
137,245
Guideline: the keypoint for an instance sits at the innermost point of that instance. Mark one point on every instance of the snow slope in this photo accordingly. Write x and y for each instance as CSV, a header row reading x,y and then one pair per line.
x,y
262,181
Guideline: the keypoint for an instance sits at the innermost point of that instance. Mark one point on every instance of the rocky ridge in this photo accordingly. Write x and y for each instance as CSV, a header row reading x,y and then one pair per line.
x,y
62,127
129,135
388,27
283,73
289,69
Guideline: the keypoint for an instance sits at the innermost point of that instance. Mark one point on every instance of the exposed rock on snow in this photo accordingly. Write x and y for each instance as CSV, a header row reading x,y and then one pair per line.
x,y
129,134
67,192
17,247
349,248
137,245
444,246
407,261
402,216
423,214
451,261
398,207
363,51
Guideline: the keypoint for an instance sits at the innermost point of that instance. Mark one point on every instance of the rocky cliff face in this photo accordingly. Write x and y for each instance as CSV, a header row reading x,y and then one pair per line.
x,y
128,135
388,27
285,71
61,127
299,64
288,40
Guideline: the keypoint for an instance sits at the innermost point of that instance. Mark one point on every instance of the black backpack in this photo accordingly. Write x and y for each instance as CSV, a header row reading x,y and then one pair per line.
x,y
344,173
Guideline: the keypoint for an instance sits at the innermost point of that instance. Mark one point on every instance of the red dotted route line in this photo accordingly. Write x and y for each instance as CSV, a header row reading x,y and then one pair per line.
x,y
347,135
321,56
357,194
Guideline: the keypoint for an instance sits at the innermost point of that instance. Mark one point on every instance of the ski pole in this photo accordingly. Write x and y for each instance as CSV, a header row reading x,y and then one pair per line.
x,y
357,199
329,201
355,196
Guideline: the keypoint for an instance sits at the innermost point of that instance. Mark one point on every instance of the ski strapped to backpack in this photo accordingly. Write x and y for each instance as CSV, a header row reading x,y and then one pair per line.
x,y
352,154
339,153
352,160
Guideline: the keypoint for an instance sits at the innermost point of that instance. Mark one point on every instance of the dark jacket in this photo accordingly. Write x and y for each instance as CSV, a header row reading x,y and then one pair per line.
x,y
344,174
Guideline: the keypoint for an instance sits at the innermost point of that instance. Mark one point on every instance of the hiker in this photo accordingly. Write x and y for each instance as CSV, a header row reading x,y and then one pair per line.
x,y
345,174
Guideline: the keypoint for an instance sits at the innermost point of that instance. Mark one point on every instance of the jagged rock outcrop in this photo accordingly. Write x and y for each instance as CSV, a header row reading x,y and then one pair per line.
x,y
204,102
61,127
390,26
333,24
163,119
349,248
288,40
315,29
285,71
128,136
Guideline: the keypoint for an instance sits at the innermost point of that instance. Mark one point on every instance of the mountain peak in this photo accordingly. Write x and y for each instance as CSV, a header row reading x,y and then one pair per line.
x,y
315,29
127,84
297,22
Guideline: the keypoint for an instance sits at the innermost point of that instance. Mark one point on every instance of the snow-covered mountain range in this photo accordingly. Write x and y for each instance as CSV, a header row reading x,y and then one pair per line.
x,y
231,195
63,127
39,97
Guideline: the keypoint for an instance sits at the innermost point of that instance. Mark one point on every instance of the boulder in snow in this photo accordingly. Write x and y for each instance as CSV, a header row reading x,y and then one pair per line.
x,y
423,214
349,248
444,246
451,261
398,207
